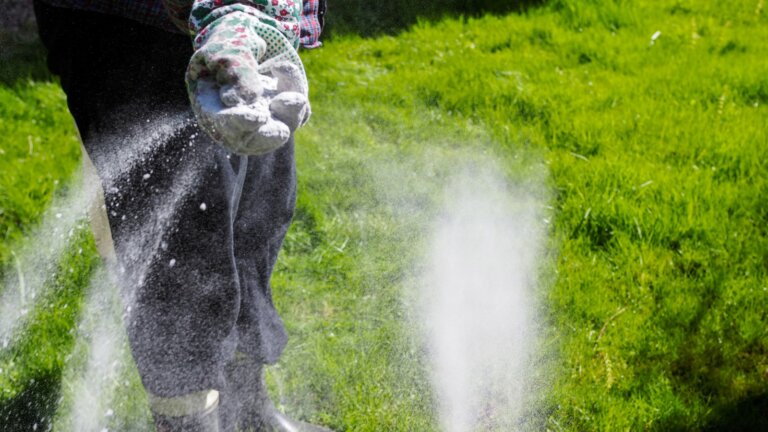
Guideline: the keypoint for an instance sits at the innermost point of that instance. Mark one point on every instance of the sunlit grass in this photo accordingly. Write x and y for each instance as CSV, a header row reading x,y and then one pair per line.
x,y
655,157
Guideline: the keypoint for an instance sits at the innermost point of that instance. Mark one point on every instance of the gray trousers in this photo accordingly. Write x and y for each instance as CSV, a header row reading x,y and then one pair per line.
x,y
194,253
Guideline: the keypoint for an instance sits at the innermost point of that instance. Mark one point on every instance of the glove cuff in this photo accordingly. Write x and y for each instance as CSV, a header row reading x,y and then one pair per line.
x,y
282,15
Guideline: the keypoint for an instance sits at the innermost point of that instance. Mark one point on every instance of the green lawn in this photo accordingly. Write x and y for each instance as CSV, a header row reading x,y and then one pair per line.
x,y
654,154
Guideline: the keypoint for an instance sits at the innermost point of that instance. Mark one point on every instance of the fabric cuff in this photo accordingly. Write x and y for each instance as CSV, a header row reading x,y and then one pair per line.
x,y
198,403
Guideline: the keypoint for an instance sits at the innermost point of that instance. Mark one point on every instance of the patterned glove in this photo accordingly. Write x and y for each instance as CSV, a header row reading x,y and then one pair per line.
x,y
245,80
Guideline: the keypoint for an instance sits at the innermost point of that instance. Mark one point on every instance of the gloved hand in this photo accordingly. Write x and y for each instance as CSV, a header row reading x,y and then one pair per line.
x,y
246,82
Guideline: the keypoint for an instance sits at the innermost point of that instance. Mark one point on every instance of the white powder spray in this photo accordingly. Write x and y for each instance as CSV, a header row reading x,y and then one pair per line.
x,y
476,236
35,262
100,373
478,303
97,369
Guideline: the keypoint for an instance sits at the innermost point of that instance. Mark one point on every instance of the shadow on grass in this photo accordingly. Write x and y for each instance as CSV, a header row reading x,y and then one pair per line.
x,y
366,18
22,58
749,414
33,407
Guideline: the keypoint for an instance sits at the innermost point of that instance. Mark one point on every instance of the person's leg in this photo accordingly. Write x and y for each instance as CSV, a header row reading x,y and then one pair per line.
x,y
264,215
262,220
168,195
170,203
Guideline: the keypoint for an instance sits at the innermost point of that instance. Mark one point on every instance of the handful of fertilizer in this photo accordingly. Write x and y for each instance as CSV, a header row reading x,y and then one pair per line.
x,y
246,82
257,124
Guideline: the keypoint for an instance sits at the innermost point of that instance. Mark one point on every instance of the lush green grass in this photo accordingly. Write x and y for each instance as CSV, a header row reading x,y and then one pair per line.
x,y
656,159
377,18
656,154
38,154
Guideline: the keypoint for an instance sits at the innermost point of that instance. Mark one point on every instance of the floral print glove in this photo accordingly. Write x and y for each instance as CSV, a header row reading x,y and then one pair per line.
x,y
246,82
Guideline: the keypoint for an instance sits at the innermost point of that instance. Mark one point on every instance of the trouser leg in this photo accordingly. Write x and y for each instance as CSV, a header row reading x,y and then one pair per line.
x,y
194,290
264,215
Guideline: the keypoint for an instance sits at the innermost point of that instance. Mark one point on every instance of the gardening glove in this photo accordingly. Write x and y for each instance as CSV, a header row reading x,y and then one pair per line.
x,y
246,82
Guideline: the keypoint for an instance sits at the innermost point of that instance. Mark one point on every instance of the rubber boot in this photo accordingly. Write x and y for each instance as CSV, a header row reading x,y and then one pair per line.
x,y
246,406
197,412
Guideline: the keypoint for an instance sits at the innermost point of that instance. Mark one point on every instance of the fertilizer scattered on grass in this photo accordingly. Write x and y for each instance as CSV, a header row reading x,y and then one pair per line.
x,y
476,238
97,367
35,263
478,300
479,306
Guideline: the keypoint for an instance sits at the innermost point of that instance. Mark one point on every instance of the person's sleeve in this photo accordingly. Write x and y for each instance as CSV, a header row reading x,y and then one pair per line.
x,y
178,12
312,23
194,16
